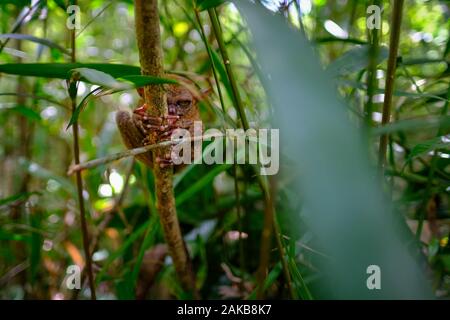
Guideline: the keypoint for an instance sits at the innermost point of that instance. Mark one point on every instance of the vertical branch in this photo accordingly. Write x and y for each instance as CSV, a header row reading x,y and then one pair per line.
x,y
213,68
226,60
396,22
76,152
269,214
151,60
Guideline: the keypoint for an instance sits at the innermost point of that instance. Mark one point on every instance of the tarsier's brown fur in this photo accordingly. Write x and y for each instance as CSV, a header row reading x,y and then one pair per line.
x,y
136,128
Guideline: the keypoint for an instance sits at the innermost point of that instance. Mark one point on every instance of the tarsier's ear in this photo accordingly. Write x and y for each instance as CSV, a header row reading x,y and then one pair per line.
x,y
196,93
205,93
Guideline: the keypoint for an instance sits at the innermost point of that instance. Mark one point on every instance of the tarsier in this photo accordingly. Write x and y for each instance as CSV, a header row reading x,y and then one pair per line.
x,y
139,129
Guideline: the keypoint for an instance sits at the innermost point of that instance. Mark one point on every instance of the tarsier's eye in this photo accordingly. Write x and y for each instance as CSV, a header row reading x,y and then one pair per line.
x,y
184,103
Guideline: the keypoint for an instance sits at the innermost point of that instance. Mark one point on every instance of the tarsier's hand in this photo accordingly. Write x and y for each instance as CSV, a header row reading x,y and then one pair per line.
x,y
140,129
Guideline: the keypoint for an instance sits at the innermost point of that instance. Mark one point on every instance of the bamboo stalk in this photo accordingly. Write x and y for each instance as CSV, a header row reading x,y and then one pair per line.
x,y
226,60
269,212
396,22
213,68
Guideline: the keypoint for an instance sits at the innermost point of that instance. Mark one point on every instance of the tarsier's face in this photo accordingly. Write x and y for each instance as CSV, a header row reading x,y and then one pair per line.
x,y
179,101
140,129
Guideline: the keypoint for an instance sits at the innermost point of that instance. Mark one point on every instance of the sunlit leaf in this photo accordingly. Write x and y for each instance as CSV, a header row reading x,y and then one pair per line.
x,y
80,107
208,4
63,70
101,78
426,147
26,112
413,124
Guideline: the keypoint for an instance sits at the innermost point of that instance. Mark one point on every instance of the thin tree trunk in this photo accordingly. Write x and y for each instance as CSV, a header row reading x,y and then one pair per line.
x,y
151,60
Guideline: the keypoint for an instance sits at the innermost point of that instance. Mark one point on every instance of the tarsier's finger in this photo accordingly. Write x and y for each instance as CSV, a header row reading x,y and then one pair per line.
x,y
164,162
149,120
132,136
186,124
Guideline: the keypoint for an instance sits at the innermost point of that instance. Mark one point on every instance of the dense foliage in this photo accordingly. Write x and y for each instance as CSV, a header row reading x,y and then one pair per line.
x,y
221,208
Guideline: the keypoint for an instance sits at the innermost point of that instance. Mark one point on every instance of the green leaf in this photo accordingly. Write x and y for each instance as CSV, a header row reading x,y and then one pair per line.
x,y
18,3
130,240
62,70
396,93
26,112
427,146
101,78
222,73
335,39
354,60
268,282
80,107
445,259
41,41
420,61
139,81
433,249
61,4
125,287
149,239
4,235
120,84
201,183
413,124
208,4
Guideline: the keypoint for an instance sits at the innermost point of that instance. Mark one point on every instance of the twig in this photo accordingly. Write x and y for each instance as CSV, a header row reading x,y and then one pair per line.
x,y
116,156
13,272
95,17
133,152
76,149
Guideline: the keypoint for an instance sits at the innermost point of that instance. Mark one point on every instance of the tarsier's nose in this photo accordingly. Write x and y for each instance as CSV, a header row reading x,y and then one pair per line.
x,y
172,109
